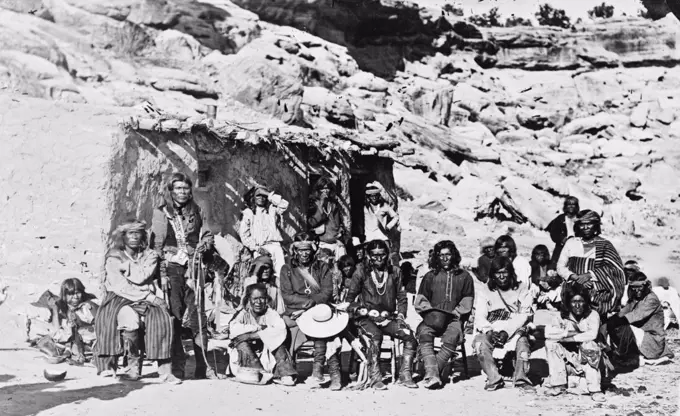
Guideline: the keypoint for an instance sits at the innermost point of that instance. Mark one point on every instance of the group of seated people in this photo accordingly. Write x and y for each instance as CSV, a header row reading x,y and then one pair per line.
x,y
270,306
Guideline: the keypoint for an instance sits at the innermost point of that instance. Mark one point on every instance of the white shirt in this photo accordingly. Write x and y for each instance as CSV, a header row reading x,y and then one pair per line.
x,y
573,248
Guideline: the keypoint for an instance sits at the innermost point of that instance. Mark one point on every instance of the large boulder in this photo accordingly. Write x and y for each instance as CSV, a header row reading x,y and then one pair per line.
x,y
527,203
588,125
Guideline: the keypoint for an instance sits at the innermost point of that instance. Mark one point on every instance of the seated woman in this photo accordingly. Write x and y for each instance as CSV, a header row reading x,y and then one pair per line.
x,y
259,328
637,331
593,262
262,272
131,268
67,324
572,351
501,313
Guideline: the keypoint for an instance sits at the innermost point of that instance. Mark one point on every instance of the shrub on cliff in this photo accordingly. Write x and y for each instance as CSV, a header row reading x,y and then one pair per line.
x,y
604,11
456,11
490,19
513,21
549,16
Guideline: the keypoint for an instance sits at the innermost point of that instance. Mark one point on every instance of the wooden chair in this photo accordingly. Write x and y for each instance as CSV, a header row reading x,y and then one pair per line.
x,y
392,348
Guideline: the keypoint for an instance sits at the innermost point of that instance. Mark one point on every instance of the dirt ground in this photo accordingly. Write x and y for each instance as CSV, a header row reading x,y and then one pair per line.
x,y
647,391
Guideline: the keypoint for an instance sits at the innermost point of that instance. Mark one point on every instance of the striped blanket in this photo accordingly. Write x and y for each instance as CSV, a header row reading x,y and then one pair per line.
x,y
610,282
158,329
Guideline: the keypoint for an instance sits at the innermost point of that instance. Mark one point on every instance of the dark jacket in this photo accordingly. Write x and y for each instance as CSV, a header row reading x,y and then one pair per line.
x,y
293,287
330,219
365,292
454,293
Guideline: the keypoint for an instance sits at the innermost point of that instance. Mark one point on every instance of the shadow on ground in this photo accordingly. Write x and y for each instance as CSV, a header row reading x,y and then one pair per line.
x,y
30,399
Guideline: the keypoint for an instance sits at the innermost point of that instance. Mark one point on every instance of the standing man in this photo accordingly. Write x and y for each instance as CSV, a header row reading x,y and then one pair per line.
x,y
178,237
444,301
381,292
260,225
325,219
562,227
380,218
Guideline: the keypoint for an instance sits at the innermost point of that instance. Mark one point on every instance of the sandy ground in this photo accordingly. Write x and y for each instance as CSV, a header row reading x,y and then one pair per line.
x,y
649,391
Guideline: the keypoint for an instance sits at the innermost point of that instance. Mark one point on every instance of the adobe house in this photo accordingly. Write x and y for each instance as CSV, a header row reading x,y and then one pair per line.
x,y
72,172
225,160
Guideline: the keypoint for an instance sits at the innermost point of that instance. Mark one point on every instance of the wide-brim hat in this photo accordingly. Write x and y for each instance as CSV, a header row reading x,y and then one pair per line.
x,y
253,376
321,321
437,319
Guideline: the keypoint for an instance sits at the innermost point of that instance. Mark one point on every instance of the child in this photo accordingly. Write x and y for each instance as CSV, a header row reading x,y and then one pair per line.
x,y
68,327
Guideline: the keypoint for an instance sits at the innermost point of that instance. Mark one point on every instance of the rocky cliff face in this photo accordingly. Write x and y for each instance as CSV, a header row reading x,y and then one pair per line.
x,y
506,120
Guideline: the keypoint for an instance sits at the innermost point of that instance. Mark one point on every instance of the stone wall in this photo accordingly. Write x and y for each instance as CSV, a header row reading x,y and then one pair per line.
x,y
54,191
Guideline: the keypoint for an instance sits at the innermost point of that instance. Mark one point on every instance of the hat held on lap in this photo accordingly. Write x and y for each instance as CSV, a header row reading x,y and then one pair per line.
x,y
321,321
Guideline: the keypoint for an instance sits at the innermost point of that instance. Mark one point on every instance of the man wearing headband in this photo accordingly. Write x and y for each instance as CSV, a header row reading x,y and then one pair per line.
x,y
592,261
130,294
324,217
637,331
380,219
562,227
180,238
307,282
378,288
260,226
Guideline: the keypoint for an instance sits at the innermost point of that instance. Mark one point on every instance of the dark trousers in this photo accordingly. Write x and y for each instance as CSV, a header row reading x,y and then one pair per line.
x,y
451,336
183,302
248,358
624,345
391,329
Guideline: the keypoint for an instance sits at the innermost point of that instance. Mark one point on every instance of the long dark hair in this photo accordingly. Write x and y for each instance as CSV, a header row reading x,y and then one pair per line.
x,y
569,292
503,240
376,244
345,261
69,287
321,183
500,263
436,265
543,248
168,204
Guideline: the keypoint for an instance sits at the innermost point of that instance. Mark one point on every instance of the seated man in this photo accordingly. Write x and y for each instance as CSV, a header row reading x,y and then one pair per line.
x,y
501,313
258,327
381,292
572,352
637,331
307,282
130,271
444,300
